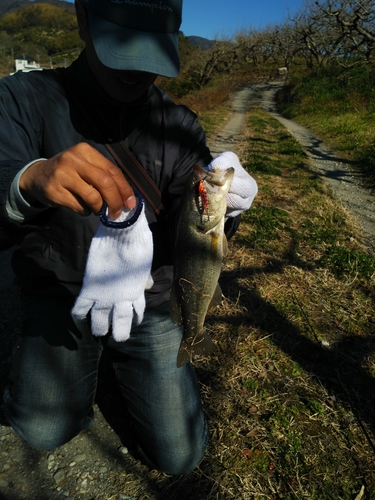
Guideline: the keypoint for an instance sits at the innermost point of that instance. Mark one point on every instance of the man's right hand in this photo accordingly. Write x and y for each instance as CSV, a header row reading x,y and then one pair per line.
x,y
79,178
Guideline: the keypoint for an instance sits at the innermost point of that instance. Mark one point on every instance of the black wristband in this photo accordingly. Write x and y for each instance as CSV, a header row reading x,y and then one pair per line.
x,y
126,223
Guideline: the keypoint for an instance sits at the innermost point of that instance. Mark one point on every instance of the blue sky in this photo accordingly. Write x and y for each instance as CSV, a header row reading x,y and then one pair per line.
x,y
223,18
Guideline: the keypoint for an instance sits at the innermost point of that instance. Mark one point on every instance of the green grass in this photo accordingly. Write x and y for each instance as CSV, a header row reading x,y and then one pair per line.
x,y
352,263
266,223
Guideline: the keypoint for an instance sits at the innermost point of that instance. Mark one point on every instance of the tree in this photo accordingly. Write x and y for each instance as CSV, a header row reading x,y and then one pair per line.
x,y
316,38
43,29
284,44
221,58
340,30
354,21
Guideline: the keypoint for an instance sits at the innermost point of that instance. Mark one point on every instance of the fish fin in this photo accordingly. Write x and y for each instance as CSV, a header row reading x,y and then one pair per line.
x,y
174,308
183,355
225,246
216,298
188,350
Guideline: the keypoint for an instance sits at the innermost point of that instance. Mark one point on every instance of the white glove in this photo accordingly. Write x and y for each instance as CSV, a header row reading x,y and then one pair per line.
x,y
243,189
117,274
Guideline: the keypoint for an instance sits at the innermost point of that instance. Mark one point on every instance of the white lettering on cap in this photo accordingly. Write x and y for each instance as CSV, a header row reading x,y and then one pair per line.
x,y
152,6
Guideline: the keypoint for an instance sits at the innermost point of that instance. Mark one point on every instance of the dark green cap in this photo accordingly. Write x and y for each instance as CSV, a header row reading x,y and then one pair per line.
x,y
136,35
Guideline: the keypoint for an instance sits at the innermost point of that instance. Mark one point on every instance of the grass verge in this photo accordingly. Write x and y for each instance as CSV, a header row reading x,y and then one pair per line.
x,y
210,103
339,106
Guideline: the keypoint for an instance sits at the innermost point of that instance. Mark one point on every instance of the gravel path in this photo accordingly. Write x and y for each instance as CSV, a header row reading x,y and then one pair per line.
x,y
339,175
95,465
226,139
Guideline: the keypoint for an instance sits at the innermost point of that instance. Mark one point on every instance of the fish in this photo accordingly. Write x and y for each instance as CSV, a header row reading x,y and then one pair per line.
x,y
199,248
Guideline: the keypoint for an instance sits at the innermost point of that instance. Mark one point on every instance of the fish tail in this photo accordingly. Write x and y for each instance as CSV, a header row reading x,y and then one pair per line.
x,y
189,349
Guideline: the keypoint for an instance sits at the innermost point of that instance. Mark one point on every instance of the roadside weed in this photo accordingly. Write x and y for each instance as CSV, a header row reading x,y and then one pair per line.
x,y
352,263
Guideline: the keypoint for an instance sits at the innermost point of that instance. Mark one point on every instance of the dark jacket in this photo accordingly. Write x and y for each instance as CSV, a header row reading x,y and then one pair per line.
x,y
41,116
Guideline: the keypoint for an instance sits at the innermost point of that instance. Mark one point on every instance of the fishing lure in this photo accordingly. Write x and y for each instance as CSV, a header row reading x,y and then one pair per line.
x,y
202,193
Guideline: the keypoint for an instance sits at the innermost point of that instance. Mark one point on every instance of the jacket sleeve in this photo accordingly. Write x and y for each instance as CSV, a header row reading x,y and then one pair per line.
x,y
19,145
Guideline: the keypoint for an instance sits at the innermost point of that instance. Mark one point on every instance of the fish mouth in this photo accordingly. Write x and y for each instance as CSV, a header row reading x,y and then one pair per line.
x,y
213,180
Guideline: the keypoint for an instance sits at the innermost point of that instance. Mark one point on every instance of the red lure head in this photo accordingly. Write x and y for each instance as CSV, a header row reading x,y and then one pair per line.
x,y
202,193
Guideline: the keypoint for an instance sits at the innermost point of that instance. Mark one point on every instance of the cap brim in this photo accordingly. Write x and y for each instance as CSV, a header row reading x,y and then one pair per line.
x,y
123,48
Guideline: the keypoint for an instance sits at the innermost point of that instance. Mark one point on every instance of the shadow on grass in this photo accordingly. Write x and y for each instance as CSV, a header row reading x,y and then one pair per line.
x,y
339,369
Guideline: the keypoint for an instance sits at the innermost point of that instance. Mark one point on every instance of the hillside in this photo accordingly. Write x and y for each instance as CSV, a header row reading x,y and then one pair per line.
x,y
7,6
45,31
201,42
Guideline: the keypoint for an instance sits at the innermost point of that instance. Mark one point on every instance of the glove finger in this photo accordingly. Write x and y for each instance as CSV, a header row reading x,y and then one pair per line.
x,y
139,308
81,308
224,161
122,321
101,319
237,202
149,283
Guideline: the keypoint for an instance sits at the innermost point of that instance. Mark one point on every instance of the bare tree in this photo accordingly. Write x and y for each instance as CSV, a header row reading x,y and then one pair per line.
x,y
219,59
254,46
284,44
323,31
354,22
316,38
343,30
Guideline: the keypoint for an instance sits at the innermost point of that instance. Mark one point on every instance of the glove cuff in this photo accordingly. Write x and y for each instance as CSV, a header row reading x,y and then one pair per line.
x,y
105,220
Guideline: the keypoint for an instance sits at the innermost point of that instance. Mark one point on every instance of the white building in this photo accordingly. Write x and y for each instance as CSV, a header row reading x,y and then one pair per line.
x,y
26,64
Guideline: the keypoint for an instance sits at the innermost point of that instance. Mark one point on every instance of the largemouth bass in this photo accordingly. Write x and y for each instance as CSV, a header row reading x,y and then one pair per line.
x,y
198,252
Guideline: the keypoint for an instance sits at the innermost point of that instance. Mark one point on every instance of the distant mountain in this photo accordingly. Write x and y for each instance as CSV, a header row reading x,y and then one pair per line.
x,y
204,43
7,6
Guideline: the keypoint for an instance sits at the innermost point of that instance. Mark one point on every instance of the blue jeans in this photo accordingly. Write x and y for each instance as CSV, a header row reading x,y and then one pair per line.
x,y
54,374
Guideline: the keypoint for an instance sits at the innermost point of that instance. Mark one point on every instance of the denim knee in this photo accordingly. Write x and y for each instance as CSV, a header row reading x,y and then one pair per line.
x,y
163,400
53,376
178,455
182,461
45,428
